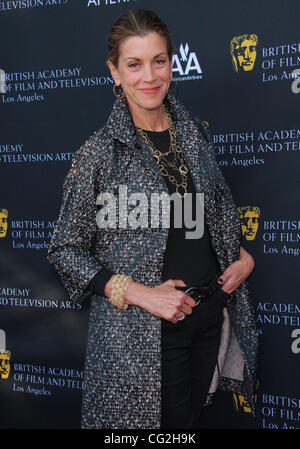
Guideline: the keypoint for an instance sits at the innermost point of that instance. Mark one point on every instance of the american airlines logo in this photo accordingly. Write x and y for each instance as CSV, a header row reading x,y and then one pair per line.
x,y
186,65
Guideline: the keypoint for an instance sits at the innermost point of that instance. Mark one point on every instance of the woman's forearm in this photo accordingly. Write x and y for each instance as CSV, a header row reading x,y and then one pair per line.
x,y
247,259
135,293
163,300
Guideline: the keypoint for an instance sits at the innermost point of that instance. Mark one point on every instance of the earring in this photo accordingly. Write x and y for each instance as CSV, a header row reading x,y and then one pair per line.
x,y
119,95
175,85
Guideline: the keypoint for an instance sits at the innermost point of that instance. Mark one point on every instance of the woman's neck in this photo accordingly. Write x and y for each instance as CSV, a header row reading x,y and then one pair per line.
x,y
151,120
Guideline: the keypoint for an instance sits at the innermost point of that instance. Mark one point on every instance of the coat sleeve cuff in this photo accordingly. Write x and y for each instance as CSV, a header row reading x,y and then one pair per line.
x,y
99,281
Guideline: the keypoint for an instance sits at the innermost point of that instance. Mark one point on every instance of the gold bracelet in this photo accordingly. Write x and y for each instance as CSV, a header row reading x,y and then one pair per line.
x,y
118,287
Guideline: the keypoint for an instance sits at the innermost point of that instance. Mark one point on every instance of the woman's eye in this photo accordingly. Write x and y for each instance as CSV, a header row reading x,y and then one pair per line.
x,y
135,65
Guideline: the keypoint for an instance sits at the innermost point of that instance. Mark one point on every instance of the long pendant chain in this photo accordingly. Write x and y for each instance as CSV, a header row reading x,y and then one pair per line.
x,y
178,158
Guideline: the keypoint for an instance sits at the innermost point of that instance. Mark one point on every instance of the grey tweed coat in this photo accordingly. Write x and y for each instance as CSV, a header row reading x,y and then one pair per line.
x,y
123,364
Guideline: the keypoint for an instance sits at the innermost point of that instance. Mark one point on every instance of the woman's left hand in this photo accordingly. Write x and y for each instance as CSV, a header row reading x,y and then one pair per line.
x,y
237,272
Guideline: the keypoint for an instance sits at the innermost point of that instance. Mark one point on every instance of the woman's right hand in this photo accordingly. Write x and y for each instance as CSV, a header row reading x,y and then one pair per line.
x,y
163,301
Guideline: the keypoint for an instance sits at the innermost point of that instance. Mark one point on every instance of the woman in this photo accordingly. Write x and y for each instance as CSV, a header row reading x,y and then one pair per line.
x,y
154,355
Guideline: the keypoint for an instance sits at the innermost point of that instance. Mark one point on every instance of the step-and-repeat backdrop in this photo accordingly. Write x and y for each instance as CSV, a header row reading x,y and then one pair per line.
x,y
237,66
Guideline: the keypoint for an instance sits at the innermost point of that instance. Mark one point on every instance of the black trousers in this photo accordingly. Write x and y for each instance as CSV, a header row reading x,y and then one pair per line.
x,y
189,356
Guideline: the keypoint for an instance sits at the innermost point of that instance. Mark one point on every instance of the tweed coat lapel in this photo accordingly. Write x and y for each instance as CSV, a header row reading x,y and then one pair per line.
x,y
187,131
126,133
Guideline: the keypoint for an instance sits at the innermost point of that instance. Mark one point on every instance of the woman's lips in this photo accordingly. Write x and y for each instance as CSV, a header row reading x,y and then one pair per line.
x,y
151,90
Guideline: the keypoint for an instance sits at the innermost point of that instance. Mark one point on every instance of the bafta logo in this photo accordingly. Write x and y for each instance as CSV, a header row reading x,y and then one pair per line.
x,y
3,222
249,216
4,356
241,403
243,52
4,363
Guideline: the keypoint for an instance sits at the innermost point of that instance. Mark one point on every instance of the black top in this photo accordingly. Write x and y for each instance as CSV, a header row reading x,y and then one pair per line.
x,y
191,259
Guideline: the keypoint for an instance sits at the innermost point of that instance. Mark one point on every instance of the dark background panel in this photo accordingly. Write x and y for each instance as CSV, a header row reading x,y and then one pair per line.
x,y
56,116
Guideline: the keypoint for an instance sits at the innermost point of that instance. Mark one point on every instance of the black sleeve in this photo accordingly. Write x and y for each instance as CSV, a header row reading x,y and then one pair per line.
x,y
98,282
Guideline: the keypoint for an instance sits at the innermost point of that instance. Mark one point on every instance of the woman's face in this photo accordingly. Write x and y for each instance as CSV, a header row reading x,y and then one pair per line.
x,y
144,71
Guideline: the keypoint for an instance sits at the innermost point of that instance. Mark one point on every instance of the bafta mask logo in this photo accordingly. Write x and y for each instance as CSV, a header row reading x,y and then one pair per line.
x,y
243,52
3,222
4,357
249,216
4,363
241,403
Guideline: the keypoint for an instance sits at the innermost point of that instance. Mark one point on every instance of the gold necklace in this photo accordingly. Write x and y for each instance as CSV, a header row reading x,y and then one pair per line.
x,y
162,162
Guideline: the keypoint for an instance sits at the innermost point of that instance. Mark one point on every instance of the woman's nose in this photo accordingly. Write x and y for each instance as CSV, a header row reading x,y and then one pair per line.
x,y
149,73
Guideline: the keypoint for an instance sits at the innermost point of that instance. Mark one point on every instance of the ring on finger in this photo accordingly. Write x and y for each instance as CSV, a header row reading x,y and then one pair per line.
x,y
181,318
